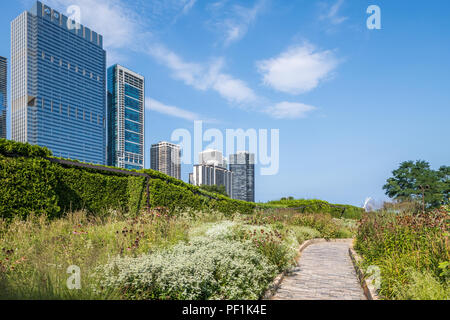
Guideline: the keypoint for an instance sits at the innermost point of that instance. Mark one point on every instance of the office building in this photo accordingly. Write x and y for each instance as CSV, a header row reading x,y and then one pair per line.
x,y
3,96
242,165
58,85
212,158
166,158
126,118
210,175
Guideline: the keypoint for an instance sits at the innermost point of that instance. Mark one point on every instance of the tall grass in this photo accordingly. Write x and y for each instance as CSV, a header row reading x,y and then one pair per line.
x,y
35,253
412,251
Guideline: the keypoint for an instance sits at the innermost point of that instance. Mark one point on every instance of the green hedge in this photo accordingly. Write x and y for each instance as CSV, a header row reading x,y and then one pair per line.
x,y
32,183
27,185
318,206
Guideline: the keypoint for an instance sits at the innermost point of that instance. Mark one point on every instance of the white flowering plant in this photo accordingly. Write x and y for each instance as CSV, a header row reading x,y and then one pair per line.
x,y
206,268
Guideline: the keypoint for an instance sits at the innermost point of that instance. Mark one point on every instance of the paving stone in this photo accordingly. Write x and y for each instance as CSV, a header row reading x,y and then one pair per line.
x,y
325,272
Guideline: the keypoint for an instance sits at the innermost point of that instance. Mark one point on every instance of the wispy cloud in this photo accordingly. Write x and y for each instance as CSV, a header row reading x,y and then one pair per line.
x,y
188,6
298,70
207,76
290,110
332,13
235,22
110,18
121,25
157,106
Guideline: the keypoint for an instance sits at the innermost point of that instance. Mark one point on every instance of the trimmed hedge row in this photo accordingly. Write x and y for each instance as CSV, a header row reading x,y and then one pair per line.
x,y
32,183
319,206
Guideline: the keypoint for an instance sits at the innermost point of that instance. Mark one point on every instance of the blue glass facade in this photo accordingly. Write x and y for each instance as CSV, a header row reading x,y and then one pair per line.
x,y
63,104
126,111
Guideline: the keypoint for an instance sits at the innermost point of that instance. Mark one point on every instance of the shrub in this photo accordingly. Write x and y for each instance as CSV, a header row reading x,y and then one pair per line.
x,y
280,248
31,183
35,253
12,148
203,269
399,243
323,223
304,233
27,186
422,286
317,206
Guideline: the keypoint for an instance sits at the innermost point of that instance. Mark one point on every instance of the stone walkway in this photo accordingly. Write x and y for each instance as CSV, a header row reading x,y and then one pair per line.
x,y
325,272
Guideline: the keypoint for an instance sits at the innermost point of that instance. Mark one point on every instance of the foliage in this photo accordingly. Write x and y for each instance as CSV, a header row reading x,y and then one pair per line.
x,y
322,224
279,247
444,176
35,253
422,286
399,243
215,189
31,183
8,147
317,206
413,179
27,185
205,268
156,255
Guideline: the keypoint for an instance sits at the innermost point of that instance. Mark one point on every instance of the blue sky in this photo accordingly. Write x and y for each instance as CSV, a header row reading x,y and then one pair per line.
x,y
350,103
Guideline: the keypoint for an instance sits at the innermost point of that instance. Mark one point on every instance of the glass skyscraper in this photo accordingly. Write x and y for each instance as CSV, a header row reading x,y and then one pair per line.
x,y
126,118
242,165
3,96
58,85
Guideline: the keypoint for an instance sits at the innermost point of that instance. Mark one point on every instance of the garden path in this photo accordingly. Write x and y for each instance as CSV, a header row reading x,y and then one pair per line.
x,y
325,272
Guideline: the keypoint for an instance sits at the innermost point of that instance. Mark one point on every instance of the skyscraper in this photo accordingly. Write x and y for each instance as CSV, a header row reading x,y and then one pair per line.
x,y
3,96
58,85
242,165
166,158
210,175
212,170
213,158
126,118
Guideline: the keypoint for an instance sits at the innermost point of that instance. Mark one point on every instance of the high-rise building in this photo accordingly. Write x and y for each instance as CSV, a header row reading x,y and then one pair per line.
x,y
166,158
126,118
211,175
58,85
242,165
3,96
212,158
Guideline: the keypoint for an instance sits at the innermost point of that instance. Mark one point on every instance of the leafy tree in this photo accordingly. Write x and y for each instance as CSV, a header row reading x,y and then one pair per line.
x,y
444,175
215,189
413,179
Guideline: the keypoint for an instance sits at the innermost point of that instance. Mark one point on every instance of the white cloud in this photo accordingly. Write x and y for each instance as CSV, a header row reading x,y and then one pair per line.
x,y
298,70
120,25
188,6
332,13
204,76
154,105
110,18
289,110
235,23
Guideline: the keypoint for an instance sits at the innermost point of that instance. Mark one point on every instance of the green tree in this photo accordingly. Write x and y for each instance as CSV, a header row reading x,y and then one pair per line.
x,y
413,179
444,175
215,189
